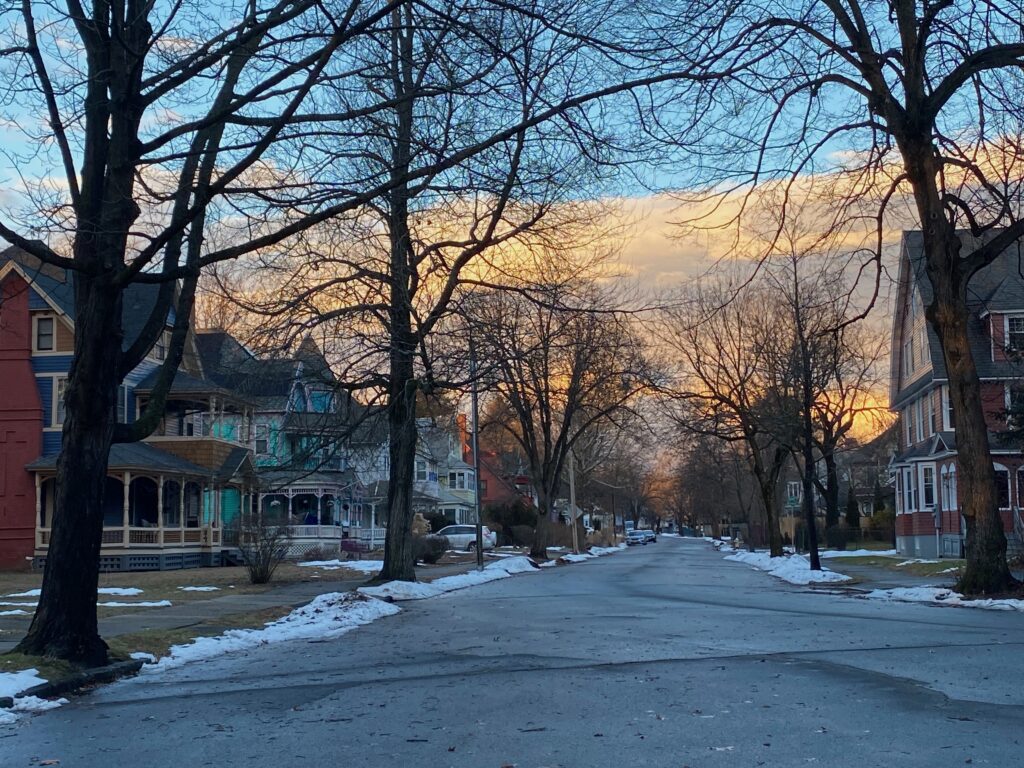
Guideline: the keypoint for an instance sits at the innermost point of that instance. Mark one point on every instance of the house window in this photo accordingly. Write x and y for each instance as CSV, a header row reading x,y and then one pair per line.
x,y
909,490
44,334
1002,487
928,486
59,407
1015,333
947,410
900,507
261,441
451,479
160,348
793,491
919,420
122,404
908,356
421,470
932,427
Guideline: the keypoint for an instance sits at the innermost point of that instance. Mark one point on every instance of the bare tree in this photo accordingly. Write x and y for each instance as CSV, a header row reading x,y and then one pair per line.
x,y
924,99
564,366
727,387
466,192
156,121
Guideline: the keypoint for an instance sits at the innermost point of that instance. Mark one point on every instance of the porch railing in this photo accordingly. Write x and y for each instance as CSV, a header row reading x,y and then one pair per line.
x,y
315,531
207,536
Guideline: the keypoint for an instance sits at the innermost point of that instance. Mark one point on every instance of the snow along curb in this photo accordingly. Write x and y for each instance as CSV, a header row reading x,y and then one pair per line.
x,y
326,616
420,590
795,569
942,596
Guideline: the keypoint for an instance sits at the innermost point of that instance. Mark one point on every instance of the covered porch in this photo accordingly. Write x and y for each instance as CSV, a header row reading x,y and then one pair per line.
x,y
160,512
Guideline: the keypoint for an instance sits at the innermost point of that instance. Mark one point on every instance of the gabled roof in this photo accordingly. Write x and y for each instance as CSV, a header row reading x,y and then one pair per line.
x,y
999,287
57,287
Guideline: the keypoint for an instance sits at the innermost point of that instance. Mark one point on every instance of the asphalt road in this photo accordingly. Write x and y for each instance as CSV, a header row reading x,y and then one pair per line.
x,y
663,655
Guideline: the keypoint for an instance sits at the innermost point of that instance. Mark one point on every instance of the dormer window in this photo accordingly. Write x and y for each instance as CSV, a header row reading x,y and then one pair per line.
x,y
44,334
1015,333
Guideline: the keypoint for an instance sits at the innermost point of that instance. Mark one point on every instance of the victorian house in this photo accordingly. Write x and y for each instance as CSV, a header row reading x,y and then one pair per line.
x,y
928,519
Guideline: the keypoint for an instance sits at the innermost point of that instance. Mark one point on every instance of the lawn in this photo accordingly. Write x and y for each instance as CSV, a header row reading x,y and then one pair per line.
x,y
166,585
947,567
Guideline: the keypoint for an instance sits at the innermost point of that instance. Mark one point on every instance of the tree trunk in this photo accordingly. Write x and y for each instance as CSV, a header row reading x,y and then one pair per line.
x,y
831,490
767,482
986,570
399,558
65,623
542,534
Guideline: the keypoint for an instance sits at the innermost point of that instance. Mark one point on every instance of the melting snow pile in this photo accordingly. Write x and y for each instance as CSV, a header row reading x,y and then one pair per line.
x,y
795,569
327,616
199,589
592,553
13,683
942,596
370,567
407,590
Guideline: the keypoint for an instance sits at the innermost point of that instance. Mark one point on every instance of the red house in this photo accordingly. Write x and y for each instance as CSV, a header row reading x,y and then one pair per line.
x,y
928,519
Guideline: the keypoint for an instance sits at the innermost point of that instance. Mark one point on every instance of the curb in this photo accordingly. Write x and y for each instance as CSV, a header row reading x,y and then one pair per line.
x,y
77,681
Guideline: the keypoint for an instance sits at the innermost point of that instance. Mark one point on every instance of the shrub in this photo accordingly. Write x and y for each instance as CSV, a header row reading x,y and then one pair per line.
x,y
835,537
522,535
429,549
264,545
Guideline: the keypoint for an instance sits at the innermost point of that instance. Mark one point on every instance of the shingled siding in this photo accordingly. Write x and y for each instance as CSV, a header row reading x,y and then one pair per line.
x,y
207,452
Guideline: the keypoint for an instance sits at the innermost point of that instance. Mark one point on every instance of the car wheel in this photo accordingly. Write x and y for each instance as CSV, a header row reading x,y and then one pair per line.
x,y
471,546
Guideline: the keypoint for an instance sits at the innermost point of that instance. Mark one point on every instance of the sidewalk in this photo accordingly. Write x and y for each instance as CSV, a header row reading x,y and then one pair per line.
x,y
188,614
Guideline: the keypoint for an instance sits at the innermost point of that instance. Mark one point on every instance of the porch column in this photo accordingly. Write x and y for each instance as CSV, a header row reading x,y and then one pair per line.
x,y
289,506
181,509
216,506
160,508
126,512
319,503
213,412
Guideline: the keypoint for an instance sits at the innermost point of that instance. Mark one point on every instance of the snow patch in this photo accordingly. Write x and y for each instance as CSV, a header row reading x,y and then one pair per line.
x,y
140,604
912,562
795,569
829,554
199,589
149,658
119,591
15,612
371,567
326,616
942,596
13,683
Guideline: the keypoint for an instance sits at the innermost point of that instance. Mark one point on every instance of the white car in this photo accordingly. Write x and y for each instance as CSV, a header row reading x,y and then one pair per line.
x,y
464,537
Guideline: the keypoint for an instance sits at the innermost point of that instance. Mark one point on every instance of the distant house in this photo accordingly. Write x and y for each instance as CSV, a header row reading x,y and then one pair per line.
x,y
928,519
278,436
168,498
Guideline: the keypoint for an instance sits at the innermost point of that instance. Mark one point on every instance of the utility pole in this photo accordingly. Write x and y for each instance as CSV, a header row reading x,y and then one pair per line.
x,y
475,405
572,501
